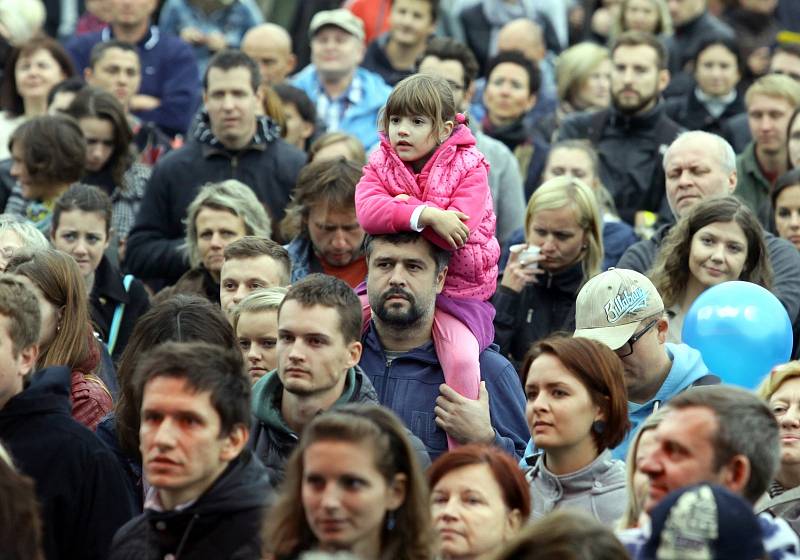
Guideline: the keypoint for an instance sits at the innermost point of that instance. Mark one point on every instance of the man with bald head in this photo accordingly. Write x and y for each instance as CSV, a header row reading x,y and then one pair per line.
x,y
526,36
482,28
699,165
271,47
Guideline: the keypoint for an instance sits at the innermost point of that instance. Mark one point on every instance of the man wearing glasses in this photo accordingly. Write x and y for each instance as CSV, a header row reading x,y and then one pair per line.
x,y
622,309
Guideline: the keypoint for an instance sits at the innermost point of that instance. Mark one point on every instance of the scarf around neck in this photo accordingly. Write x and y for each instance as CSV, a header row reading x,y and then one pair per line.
x,y
512,135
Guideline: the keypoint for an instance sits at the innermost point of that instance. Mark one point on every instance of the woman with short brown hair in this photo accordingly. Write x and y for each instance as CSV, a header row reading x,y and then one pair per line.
x,y
577,412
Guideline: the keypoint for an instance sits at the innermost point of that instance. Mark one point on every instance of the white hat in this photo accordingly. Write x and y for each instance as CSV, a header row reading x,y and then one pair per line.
x,y
341,18
611,306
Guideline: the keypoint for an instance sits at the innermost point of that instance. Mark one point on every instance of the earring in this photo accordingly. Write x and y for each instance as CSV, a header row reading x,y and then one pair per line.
x,y
598,426
390,520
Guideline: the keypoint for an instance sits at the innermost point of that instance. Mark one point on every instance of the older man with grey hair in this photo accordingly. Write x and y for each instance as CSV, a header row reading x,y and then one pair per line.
x,y
699,165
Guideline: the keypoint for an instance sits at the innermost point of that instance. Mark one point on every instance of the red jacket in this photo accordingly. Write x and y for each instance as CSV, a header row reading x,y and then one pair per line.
x,y
91,400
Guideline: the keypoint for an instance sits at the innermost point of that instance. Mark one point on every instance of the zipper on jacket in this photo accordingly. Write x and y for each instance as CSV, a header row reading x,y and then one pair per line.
x,y
388,366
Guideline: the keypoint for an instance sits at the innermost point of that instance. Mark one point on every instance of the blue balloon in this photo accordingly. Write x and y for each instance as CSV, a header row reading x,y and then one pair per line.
x,y
741,329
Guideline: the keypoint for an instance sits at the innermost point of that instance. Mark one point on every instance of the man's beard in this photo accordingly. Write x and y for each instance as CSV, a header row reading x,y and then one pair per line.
x,y
633,109
394,316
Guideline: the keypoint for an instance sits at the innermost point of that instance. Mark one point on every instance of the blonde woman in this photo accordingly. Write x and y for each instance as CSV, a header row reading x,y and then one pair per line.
x,y
583,83
333,145
220,214
563,249
781,390
637,482
255,322
649,16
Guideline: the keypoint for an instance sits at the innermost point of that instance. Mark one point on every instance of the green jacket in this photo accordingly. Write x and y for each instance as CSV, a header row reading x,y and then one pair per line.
x,y
752,187
271,439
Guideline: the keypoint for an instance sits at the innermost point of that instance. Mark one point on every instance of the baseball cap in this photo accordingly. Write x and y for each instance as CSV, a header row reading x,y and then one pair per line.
x,y
341,18
611,306
703,522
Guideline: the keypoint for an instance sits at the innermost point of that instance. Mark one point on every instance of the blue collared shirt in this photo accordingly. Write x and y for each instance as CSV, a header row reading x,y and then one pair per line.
x,y
331,111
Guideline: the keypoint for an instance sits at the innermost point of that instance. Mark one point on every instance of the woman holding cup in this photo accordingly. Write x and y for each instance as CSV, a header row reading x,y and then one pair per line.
x,y
563,249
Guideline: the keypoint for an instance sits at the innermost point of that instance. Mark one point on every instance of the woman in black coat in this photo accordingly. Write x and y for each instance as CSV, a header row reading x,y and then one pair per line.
x,y
716,97
81,227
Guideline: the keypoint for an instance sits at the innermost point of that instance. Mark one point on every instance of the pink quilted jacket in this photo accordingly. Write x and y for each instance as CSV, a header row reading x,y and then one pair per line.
x,y
455,178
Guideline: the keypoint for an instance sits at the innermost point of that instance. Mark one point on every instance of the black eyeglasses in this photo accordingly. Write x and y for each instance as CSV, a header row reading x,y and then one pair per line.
x,y
627,348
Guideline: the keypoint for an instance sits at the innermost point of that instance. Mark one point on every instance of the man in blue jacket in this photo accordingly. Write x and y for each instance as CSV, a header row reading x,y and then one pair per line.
x,y
622,309
405,272
347,96
169,93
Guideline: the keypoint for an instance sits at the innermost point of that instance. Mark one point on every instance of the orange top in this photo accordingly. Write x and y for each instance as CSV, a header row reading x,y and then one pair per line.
x,y
353,274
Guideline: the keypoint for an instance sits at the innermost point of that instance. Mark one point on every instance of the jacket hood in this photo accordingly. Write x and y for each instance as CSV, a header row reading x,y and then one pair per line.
x,y
598,476
267,131
48,392
267,395
244,484
446,157
687,367
265,399
599,488
660,234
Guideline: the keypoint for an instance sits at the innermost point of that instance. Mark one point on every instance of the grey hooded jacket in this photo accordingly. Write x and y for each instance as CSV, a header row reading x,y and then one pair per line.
x,y
598,489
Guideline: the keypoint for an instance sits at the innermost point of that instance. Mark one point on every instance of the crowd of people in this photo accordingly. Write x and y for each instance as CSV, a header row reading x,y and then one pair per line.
x,y
393,279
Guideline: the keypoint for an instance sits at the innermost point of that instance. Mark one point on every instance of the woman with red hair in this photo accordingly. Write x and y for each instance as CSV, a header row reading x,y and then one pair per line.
x,y
479,500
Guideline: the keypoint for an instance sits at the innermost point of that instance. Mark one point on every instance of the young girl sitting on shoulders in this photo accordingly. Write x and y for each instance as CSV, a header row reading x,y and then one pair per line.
x,y
428,176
